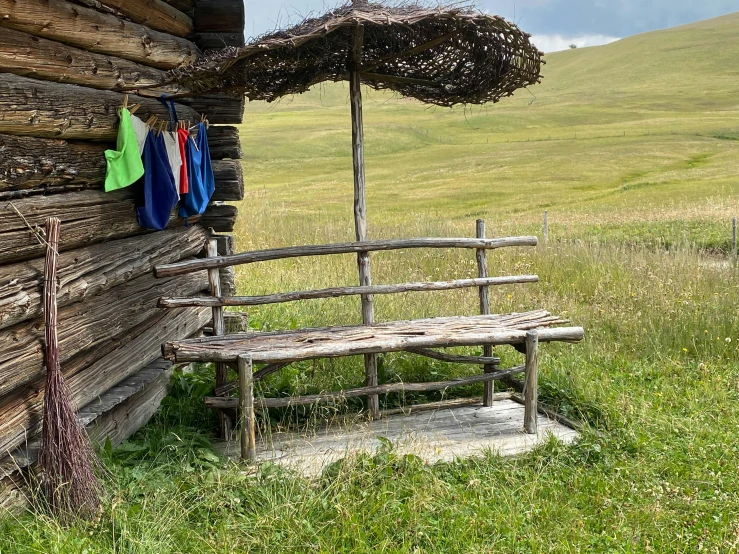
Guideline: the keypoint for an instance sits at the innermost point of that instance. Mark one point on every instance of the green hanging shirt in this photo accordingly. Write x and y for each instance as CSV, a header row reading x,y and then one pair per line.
x,y
125,166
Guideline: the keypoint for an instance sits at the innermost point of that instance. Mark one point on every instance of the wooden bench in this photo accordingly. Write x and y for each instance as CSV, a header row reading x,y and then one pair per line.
x,y
276,350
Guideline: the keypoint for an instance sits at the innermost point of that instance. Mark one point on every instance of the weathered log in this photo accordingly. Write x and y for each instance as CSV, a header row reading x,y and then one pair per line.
x,y
337,292
54,110
246,409
220,217
224,142
185,6
219,16
219,108
84,326
229,180
91,373
531,383
155,14
484,292
340,248
97,32
91,270
217,41
329,342
442,405
219,329
49,60
454,359
88,217
223,402
35,164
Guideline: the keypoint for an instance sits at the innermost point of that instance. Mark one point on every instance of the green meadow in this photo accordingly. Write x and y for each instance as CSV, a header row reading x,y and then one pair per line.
x,y
633,150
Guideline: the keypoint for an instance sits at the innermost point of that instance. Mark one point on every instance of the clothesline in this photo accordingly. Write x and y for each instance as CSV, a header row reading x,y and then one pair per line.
x,y
166,168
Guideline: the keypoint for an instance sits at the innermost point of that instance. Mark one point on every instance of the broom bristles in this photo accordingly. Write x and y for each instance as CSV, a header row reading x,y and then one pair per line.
x,y
67,459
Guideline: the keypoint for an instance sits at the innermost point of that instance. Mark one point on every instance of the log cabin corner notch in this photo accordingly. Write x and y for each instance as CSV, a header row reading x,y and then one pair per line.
x,y
63,67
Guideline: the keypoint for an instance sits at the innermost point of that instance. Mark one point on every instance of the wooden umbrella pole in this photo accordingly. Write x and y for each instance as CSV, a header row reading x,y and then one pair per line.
x,y
360,209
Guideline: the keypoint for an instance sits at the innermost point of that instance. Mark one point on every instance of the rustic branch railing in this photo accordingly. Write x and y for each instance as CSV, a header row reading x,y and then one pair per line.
x,y
421,337
337,292
191,266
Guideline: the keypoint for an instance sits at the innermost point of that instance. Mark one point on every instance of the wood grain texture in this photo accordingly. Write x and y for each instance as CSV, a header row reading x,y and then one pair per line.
x,y
340,248
97,32
54,110
229,180
338,292
220,108
91,270
329,342
246,409
39,58
220,217
484,292
218,41
219,16
91,374
88,217
84,326
531,382
224,142
155,14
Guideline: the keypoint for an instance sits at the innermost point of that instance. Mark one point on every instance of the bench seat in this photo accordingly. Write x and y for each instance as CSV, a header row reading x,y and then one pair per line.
x,y
328,342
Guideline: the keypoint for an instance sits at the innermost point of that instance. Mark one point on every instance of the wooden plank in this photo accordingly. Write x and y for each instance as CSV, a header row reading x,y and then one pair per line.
x,y
338,292
219,108
97,32
246,409
39,58
83,326
155,14
531,382
229,180
219,16
220,217
340,248
287,346
91,270
53,110
224,403
89,374
224,142
218,41
88,217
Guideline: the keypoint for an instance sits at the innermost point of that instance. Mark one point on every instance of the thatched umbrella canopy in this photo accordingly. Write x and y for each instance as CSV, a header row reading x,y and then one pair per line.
x,y
442,56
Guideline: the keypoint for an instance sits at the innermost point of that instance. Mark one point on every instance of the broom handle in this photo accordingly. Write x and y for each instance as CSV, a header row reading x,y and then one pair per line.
x,y
50,308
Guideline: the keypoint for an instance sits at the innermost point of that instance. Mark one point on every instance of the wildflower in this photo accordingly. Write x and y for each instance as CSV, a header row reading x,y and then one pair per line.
x,y
728,340
685,350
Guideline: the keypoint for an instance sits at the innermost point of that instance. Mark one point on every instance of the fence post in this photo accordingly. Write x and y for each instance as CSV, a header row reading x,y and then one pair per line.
x,y
531,383
487,350
733,238
546,228
219,329
246,408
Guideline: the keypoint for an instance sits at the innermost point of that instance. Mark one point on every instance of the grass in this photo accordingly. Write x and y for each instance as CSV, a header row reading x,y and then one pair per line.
x,y
637,255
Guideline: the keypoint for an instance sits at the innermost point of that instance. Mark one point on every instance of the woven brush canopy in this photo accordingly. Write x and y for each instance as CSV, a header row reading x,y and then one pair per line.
x,y
443,56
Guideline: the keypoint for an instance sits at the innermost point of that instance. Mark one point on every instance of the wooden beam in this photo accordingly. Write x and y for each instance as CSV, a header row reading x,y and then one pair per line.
x,y
219,329
217,41
219,108
454,359
84,326
155,14
97,32
229,180
340,248
484,292
91,270
531,383
89,374
337,292
88,217
39,58
246,409
185,6
220,217
224,403
224,142
219,16
53,110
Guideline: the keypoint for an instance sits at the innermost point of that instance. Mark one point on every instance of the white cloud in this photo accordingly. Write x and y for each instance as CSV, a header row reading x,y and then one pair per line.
x,y
555,43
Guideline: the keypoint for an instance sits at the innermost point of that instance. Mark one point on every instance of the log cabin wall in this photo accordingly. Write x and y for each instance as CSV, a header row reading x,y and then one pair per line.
x,y
63,67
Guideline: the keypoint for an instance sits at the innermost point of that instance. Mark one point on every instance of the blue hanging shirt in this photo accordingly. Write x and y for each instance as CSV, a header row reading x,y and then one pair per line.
x,y
200,175
157,195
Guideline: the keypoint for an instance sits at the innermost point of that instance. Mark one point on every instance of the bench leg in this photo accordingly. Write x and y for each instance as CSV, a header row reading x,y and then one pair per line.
x,y
246,409
531,383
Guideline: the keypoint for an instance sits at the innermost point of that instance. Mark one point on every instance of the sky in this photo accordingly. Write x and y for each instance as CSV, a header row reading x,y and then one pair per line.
x,y
555,24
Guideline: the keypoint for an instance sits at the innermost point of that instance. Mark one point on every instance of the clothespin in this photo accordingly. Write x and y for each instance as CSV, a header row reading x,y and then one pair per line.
x,y
151,121
134,108
125,101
